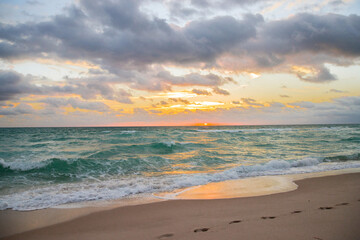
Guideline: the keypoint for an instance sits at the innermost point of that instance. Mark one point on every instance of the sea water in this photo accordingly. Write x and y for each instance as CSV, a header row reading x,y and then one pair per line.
x,y
46,167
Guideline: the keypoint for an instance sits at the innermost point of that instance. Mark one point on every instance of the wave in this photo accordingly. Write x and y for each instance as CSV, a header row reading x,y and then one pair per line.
x,y
219,130
351,139
164,147
61,170
343,158
245,130
116,186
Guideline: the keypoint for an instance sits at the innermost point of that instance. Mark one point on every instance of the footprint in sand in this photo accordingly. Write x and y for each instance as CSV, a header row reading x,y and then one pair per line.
x,y
235,221
342,204
325,208
296,212
167,235
271,217
201,230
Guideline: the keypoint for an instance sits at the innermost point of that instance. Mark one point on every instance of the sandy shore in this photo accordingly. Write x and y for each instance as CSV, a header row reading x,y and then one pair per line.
x,y
321,208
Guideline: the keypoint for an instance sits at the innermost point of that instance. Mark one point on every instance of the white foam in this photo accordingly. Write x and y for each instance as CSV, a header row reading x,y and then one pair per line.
x,y
22,166
219,130
169,143
117,188
128,131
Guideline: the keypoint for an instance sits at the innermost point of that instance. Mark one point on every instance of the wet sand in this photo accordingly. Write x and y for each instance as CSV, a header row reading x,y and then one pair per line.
x,y
321,208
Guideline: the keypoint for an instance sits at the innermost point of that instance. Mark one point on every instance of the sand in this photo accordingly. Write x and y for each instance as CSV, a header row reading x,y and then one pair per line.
x,y
320,208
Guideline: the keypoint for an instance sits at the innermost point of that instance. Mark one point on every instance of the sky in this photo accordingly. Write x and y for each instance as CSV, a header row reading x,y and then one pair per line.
x,y
171,63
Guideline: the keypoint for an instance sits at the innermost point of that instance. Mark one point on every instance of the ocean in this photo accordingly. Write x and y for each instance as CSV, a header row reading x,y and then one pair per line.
x,y
47,167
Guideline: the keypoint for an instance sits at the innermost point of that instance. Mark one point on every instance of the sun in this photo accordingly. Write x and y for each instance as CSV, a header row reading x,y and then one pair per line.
x,y
204,124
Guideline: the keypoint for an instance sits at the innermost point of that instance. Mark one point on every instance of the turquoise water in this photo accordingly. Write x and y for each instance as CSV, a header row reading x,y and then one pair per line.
x,y
45,167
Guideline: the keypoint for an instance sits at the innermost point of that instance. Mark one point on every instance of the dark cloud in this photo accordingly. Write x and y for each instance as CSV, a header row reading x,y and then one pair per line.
x,y
107,31
13,84
331,33
124,41
10,85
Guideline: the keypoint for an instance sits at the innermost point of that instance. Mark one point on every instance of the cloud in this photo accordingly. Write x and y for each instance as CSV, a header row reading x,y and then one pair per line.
x,y
20,109
33,2
118,36
180,100
9,85
224,3
220,91
337,91
340,110
201,92
105,32
165,78
76,104
13,84
319,76
332,33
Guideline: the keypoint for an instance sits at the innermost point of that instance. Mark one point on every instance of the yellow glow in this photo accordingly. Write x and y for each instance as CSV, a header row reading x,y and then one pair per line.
x,y
304,69
183,94
82,64
254,75
205,103
37,106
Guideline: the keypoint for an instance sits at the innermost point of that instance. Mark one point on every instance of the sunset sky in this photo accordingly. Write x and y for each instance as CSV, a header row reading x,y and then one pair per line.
x,y
169,62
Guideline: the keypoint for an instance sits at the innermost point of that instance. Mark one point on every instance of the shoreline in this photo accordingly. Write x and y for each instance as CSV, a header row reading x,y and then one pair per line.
x,y
15,222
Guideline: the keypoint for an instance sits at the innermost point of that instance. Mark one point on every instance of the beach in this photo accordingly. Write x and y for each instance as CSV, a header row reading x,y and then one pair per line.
x,y
326,207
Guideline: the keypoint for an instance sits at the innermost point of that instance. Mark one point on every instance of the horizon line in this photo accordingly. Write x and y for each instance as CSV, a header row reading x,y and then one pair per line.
x,y
194,125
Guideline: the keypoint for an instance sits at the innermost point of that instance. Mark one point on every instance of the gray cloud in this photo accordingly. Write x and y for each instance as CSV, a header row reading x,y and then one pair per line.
x,y
33,2
251,102
104,32
201,92
323,75
337,91
20,109
76,103
118,36
180,100
192,79
224,3
220,91
332,33
9,85
14,85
